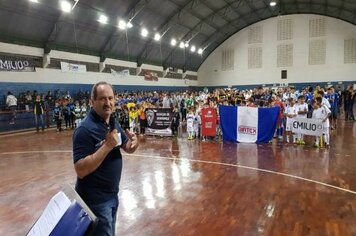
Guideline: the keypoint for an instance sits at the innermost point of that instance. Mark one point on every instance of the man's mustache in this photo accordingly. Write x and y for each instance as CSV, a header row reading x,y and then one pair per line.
x,y
104,107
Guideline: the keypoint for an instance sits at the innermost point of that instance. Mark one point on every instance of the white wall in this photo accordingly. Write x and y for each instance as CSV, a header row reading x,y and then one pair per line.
x,y
210,73
57,76
54,76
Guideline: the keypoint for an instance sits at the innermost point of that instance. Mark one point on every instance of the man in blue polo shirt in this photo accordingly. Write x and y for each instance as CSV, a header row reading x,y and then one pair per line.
x,y
97,158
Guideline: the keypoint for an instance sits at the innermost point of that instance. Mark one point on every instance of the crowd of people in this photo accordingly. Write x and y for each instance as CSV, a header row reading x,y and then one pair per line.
x,y
319,103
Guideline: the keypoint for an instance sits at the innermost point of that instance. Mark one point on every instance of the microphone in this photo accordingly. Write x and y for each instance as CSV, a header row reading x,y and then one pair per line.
x,y
112,122
112,127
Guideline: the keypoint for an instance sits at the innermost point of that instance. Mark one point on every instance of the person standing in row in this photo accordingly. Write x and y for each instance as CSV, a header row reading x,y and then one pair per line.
x,y
11,102
97,157
38,110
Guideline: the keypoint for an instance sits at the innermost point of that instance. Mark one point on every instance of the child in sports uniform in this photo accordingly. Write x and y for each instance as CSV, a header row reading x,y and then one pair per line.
x,y
190,123
302,112
77,113
290,113
321,111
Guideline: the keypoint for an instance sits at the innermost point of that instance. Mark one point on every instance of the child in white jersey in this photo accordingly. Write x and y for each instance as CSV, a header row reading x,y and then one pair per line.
x,y
322,112
77,114
302,111
290,113
196,124
190,123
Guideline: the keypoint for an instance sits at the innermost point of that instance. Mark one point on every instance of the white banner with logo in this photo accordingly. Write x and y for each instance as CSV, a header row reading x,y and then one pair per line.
x,y
247,122
69,67
120,74
307,126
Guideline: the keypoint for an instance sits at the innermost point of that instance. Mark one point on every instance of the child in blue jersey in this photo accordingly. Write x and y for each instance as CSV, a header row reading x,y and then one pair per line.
x,y
58,116
309,98
333,99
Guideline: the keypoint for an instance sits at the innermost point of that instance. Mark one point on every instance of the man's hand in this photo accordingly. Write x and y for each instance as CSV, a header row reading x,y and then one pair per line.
x,y
132,144
133,138
111,139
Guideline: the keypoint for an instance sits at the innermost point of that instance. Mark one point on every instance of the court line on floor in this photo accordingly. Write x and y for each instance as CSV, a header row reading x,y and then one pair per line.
x,y
205,162
249,168
27,152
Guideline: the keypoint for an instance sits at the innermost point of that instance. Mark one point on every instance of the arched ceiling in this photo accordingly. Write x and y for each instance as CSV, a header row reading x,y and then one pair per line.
x,y
203,23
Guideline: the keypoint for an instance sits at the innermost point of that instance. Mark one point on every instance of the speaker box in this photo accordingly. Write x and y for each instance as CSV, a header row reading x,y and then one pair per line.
x,y
283,74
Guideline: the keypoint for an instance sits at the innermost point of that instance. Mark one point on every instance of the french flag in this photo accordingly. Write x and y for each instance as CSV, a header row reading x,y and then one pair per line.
x,y
248,124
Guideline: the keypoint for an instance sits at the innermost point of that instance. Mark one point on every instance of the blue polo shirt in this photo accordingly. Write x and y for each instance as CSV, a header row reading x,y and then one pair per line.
x,y
103,183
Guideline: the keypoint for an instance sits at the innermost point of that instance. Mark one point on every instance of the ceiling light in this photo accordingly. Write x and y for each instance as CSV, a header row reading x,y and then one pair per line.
x,y
186,44
273,3
192,49
181,44
66,6
157,36
36,1
122,24
173,42
103,19
144,32
200,51
129,25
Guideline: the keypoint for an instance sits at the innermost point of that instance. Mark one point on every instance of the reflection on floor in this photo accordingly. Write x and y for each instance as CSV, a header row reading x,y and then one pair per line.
x,y
172,186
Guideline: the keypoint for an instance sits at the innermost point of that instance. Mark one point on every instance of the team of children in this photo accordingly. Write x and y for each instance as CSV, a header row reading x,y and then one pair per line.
x,y
300,110
72,114
187,109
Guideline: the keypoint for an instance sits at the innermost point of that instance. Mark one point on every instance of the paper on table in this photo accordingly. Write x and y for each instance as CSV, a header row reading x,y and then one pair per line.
x,y
54,211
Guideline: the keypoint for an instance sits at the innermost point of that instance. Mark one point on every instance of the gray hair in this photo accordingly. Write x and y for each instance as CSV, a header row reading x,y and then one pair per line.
x,y
94,92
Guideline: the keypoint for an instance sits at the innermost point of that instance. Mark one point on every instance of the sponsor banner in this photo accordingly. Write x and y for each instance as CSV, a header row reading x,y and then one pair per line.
x,y
69,67
307,126
16,65
162,132
208,121
120,74
159,121
247,121
148,75
239,123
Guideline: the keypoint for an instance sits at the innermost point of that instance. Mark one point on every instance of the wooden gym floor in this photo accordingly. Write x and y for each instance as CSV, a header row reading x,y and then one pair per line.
x,y
178,187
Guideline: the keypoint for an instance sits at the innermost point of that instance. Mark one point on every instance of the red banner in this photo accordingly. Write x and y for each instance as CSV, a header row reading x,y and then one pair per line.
x,y
208,121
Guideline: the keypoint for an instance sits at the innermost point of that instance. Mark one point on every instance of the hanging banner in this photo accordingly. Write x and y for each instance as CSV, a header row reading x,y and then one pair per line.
x,y
16,65
69,67
159,121
248,124
120,74
148,75
307,126
208,121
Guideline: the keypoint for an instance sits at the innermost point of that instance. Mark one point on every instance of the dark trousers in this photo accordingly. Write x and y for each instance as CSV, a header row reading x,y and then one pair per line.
x,y
59,124
184,113
71,120
142,126
175,128
349,112
66,119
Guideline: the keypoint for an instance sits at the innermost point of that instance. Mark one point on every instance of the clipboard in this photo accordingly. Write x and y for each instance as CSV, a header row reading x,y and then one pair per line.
x,y
76,218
